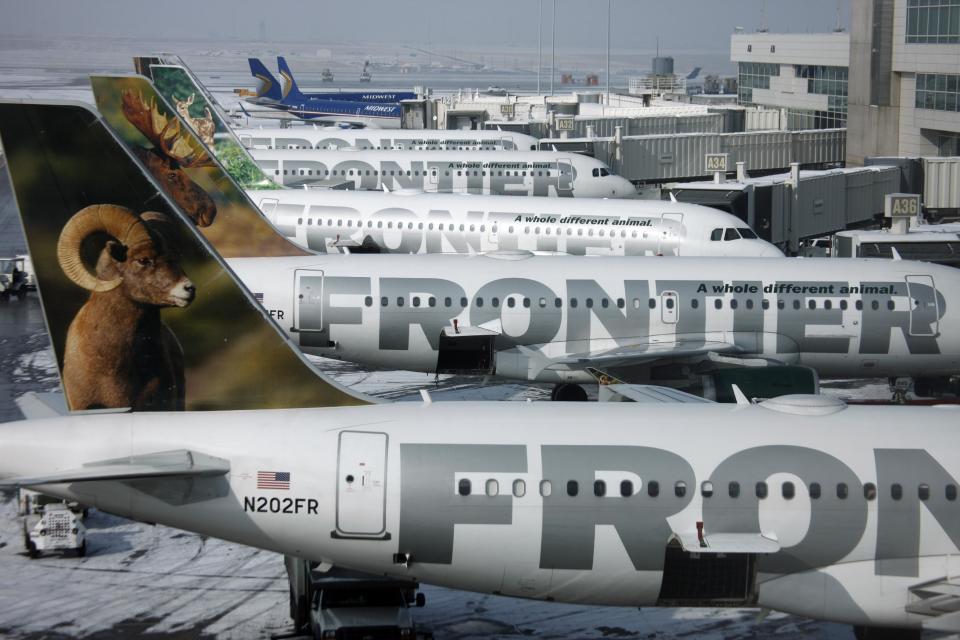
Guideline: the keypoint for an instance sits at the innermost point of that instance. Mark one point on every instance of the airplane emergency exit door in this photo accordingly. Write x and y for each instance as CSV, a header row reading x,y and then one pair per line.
x,y
362,484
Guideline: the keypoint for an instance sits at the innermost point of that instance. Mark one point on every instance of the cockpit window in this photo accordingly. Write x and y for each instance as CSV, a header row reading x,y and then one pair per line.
x,y
747,233
604,172
596,173
601,172
716,235
731,234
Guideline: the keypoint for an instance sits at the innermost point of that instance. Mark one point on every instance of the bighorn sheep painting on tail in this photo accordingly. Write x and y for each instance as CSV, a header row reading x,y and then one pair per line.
x,y
172,152
118,352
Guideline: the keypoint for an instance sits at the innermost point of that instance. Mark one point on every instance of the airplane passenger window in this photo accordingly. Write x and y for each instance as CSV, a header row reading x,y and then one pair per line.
x,y
636,303
747,232
780,304
670,302
788,491
543,302
472,228
896,491
511,302
440,227
545,488
874,305
796,304
706,489
479,302
573,488
890,305
384,302
447,301
463,487
495,301
589,303
432,301
749,303
569,232
399,301
761,490
526,303
828,304
653,488
299,221
590,233
390,225
765,304
599,488
526,229
811,304
492,488
652,303
923,492
510,229
621,303
368,301
461,228
430,227
463,302
379,224
680,489
951,492
733,489
694,303
558,302
519,488
731,234
604,303
869,491
309,221
718,304
733,303
573,303
416,301
814,490
842,491
626,488
420,226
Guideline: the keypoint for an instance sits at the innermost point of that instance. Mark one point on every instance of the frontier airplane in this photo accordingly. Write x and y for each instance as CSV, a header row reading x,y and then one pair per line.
x,y
401,139
799,504
569,320
511,173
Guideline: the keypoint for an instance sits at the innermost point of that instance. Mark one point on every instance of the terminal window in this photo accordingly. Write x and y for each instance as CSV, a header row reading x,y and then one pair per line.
x,y
938,91
933,21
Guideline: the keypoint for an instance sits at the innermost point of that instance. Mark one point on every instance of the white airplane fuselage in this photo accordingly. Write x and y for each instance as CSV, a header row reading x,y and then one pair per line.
x,y
325,220
844,509
553,316
511,173
401,139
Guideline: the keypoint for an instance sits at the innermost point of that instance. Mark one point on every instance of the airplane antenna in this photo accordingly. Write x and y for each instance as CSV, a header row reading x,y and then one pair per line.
x,y
739,395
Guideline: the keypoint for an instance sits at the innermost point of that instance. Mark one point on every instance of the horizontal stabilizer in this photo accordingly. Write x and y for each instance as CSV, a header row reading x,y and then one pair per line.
x,y
727,543
166,464
37,406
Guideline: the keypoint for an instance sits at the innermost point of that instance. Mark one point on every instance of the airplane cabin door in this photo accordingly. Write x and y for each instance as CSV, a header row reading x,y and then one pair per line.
x,y
669,307
924,308
362,484
308,303
671,224
564,176
269,208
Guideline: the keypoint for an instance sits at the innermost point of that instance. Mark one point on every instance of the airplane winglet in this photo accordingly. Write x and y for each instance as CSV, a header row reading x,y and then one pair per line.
x,y
739,395
673,198
896,254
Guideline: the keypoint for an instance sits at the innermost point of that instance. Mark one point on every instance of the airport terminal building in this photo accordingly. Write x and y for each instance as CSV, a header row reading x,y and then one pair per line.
x,y
803,75
905,79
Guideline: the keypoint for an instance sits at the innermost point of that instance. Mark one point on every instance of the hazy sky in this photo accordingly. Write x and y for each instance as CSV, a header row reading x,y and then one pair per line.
x,y
688,24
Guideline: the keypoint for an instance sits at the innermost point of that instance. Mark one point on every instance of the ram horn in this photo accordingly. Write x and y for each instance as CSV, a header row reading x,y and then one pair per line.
x,y
116,221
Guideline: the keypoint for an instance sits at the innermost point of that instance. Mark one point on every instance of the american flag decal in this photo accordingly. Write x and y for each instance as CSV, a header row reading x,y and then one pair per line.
x,y
258,297
273,480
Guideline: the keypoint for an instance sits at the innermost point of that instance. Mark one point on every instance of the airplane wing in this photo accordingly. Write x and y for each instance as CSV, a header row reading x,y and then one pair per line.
x,y
166,464
644,354
939,600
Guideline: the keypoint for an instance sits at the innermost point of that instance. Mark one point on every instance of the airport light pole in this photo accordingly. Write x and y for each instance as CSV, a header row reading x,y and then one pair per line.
x,y
553,47
608,52
539,44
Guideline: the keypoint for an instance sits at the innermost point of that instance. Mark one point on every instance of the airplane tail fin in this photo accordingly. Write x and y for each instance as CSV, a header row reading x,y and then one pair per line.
x,y
187,171
267,85
693,74
142,312
290,89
